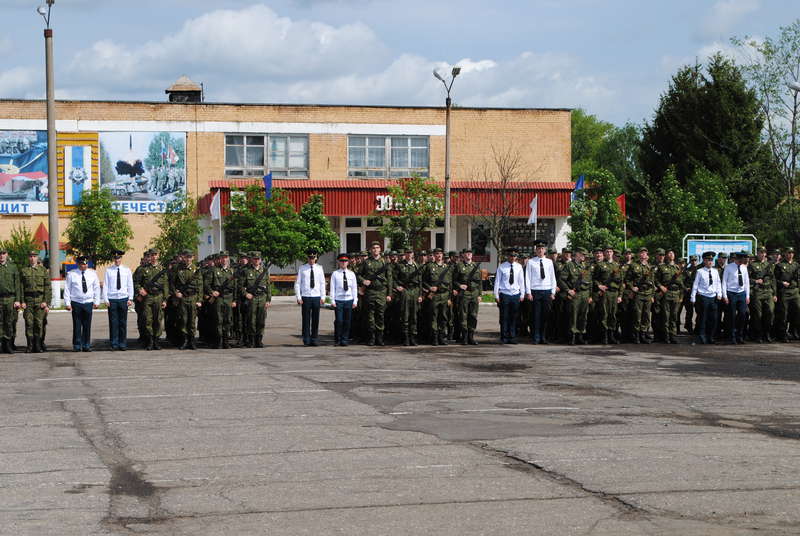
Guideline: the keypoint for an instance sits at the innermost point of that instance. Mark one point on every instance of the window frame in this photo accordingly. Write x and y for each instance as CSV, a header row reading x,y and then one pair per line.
x,y
388,171
286,171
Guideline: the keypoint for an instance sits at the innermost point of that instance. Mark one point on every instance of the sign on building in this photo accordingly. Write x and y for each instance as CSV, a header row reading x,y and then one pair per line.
x,y
144,171
698,244
23,172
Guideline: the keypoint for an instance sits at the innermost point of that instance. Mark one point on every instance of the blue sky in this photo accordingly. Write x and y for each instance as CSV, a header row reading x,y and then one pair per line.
x,y
613,57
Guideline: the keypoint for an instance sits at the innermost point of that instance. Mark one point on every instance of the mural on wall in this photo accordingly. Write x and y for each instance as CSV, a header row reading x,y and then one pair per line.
x,y
77,172
143,170
23,172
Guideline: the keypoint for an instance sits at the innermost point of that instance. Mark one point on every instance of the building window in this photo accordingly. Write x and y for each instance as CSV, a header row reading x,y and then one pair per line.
x,y
387,156
352,222
253,156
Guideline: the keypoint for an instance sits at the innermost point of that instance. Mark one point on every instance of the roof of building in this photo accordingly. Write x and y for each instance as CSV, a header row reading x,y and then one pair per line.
x,y
382,184
184,83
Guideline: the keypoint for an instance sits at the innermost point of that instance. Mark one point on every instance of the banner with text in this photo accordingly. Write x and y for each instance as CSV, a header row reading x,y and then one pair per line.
x,y
144,171
23,172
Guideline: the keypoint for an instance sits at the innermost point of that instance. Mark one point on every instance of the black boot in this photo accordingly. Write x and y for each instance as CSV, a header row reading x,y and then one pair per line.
x,y
604,338
192,344
406,340
155,344
371,340
225,344
471,338
572,340
148,344
37,345
579,339
435,338
611,338
643,338
259,343
42,345
414,341
185,344
29,345
379,340
7,347
442,340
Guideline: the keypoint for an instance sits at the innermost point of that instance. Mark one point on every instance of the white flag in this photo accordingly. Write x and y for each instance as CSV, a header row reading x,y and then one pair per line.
x,y
534,210
216,213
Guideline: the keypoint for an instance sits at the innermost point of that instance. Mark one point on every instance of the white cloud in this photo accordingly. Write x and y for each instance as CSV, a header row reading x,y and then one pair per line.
x,y
20,81
725,15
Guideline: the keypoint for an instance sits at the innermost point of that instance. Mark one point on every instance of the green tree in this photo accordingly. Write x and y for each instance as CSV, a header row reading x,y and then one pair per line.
x,y
595,218
96,229
19,244
272,227
419,202
588,136
180,228
317,228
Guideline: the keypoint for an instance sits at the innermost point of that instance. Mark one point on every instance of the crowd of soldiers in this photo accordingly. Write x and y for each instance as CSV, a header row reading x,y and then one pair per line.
x,y
224,304
25,289
166,179
611,297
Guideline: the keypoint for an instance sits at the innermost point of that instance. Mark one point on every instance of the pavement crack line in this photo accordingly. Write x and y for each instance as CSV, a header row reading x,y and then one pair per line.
x,y
126,479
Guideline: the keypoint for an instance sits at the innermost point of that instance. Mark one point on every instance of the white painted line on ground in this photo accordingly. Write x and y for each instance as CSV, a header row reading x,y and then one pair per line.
x,y
191,395
81,378
488,410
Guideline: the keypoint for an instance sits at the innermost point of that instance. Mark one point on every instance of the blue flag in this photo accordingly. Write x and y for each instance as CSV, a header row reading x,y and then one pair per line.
x,y
578,186
268,186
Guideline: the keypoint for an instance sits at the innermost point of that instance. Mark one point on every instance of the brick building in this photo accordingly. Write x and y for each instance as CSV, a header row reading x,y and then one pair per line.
x,y
147,151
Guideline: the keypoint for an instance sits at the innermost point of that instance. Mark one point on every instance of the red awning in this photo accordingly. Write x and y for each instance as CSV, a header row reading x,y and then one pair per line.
x,y
357,197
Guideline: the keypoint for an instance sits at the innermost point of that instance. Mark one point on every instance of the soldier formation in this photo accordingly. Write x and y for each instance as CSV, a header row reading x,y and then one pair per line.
x,y
608,297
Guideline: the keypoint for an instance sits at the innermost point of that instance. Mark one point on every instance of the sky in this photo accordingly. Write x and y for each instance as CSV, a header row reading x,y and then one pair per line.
x,y
613,58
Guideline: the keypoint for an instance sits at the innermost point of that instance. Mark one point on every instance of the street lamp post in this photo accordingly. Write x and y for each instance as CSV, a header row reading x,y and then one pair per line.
x,y
52,170
455,72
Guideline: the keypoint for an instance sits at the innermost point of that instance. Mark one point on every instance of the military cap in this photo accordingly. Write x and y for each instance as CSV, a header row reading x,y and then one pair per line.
x,y
452,253
223,253
660,251
616,252
512,251
722,255
255,254
608,246
669,249
437,250
551,251
566,250
155,250
33,252
775,252
523,255
363,254
708,255
581,250
3,249
743,254
692,257
597,249
788,250
762,249
116,253
408,250
539,244
467,250
375,243
81,260
343,257
424,252
644,249
681,261
626,251
311,251
186,252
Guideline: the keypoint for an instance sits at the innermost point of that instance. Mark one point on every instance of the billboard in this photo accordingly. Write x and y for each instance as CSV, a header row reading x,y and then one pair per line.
x,y
698,247
143,170
23,172
77,172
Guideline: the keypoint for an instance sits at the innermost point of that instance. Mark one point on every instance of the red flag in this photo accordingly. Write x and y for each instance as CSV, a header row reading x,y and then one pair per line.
x,y
621,204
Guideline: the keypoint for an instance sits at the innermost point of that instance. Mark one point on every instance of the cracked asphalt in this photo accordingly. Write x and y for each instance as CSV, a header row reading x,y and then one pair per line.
x,y
291,440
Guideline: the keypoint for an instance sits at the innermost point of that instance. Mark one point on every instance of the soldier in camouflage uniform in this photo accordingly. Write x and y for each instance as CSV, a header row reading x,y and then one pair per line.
x,y
222,300
787,281
558,318
607,280
689,309
762,296
256,294
407,287
375,279
238,270
37,293
151,287
454,309
575,278
437,283
669,281
186,285
469,285
138,305
639,279
625,309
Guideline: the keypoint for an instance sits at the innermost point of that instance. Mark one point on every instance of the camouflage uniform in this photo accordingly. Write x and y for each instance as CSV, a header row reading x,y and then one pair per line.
x,y
36,290
468,274
669,276
576,276
441,277
256,283
762,299
10,292
407,275
155,281
378,272
640,281
187,281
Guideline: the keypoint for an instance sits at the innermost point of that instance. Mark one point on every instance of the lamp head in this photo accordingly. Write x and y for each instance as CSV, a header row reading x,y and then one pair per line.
x,y
794,86
437,75
41,10
456,71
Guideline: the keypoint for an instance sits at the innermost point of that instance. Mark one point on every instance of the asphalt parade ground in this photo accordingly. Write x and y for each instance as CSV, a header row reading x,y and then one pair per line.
x,y
489,439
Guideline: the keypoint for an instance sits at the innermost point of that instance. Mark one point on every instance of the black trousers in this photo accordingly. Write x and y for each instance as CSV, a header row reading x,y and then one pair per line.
x,y
118,322
509,310
540,313
81,325
707,319
310,308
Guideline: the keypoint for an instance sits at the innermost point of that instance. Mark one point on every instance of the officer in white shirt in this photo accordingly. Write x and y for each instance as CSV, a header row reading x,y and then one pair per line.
x,y
82,295
706,292
509,286
309,289
540,288
736,295
118,290
344,297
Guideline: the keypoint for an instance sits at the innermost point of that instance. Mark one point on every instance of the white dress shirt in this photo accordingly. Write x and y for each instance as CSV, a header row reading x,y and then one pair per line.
x,y
73,287
702,285
730,280
502,285
533,275
110,285
338,293
302,285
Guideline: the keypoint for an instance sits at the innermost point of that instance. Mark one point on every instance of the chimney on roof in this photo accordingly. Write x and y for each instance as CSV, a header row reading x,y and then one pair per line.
x,y
184,90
